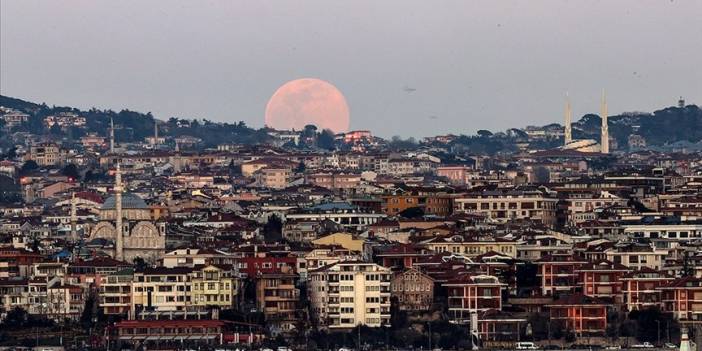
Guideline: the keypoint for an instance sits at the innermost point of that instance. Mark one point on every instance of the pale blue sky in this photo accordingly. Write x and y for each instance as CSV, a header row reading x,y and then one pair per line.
x,y
474,64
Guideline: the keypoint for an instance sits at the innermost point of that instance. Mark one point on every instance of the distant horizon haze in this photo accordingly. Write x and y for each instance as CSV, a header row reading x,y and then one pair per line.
x,y
405,67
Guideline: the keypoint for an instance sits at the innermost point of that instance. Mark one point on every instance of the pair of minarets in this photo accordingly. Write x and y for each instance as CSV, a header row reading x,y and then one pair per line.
x,y
604,132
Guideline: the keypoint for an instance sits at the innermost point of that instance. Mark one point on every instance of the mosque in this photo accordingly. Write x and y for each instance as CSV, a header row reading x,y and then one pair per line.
x,y
125,220
587,145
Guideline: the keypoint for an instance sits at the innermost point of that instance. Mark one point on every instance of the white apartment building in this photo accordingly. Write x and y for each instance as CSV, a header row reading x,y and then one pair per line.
x,y
351,293
680,232
161,290
502,206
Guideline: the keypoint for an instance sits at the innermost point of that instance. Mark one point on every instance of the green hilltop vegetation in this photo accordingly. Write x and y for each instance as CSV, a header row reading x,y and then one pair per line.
x,y
133,126
669,125
665,126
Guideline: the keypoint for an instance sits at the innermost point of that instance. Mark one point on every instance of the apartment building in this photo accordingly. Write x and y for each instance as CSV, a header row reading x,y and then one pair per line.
x,y
637,257
46,154
274,178
351,293
116,292
641,288
504,205
602,279
413,289
557,273
214,286
683,298
161,290
468,294
277,296
65,301
582,314
471,245
588,202
334,180
13,293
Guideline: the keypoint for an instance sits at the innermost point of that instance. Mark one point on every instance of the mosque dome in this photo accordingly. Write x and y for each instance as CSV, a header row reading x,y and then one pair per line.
x,y
129,201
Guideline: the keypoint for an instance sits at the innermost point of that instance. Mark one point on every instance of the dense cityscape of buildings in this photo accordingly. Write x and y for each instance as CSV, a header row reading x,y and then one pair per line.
x,y
164,242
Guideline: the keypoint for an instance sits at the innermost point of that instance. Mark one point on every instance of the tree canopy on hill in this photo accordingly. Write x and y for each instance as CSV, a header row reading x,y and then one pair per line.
x,y
134,126
663,126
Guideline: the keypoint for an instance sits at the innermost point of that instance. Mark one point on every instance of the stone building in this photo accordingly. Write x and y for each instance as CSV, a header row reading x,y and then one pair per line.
x,y
126,221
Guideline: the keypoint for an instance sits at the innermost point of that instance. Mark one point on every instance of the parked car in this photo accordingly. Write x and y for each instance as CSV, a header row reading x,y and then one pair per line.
x,y
646,345
613,347
527,345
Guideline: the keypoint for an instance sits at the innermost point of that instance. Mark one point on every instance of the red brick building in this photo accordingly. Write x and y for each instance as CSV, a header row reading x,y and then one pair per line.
x,y
602,279
582,314
683,297
557,273
640,289
471,294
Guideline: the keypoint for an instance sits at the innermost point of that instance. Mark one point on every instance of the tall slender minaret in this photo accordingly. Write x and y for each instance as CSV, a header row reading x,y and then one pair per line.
x,y
568,132
119,245
112,136
604,142
74,219
155,132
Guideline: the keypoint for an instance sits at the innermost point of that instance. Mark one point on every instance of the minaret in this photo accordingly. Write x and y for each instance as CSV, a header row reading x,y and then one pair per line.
x,y
119,245
74,219
155,132
568,133
112,136
604,142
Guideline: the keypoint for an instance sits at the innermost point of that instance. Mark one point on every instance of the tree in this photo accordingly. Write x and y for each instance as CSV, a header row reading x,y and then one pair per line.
x,y
539,325
16,318
648,322
300,167
309,131
70,171
273,229
325,140
541,174
86,318
398,144
140,264
55,129
484,133
11,153
412,212
28,167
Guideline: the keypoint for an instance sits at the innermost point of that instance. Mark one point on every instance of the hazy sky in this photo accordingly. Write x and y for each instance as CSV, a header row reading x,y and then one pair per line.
x,y
474,64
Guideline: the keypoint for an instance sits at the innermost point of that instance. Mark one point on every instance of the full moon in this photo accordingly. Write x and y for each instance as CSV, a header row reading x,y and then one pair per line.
x,y
300,102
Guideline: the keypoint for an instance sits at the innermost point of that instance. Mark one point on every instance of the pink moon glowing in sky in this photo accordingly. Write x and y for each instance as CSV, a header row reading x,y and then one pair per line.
x,y
300,102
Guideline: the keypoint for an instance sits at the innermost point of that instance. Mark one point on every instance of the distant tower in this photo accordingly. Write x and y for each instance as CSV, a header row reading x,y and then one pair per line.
x,y
112,136
155,132
605,127
681,102
119,245
568,133
74,219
